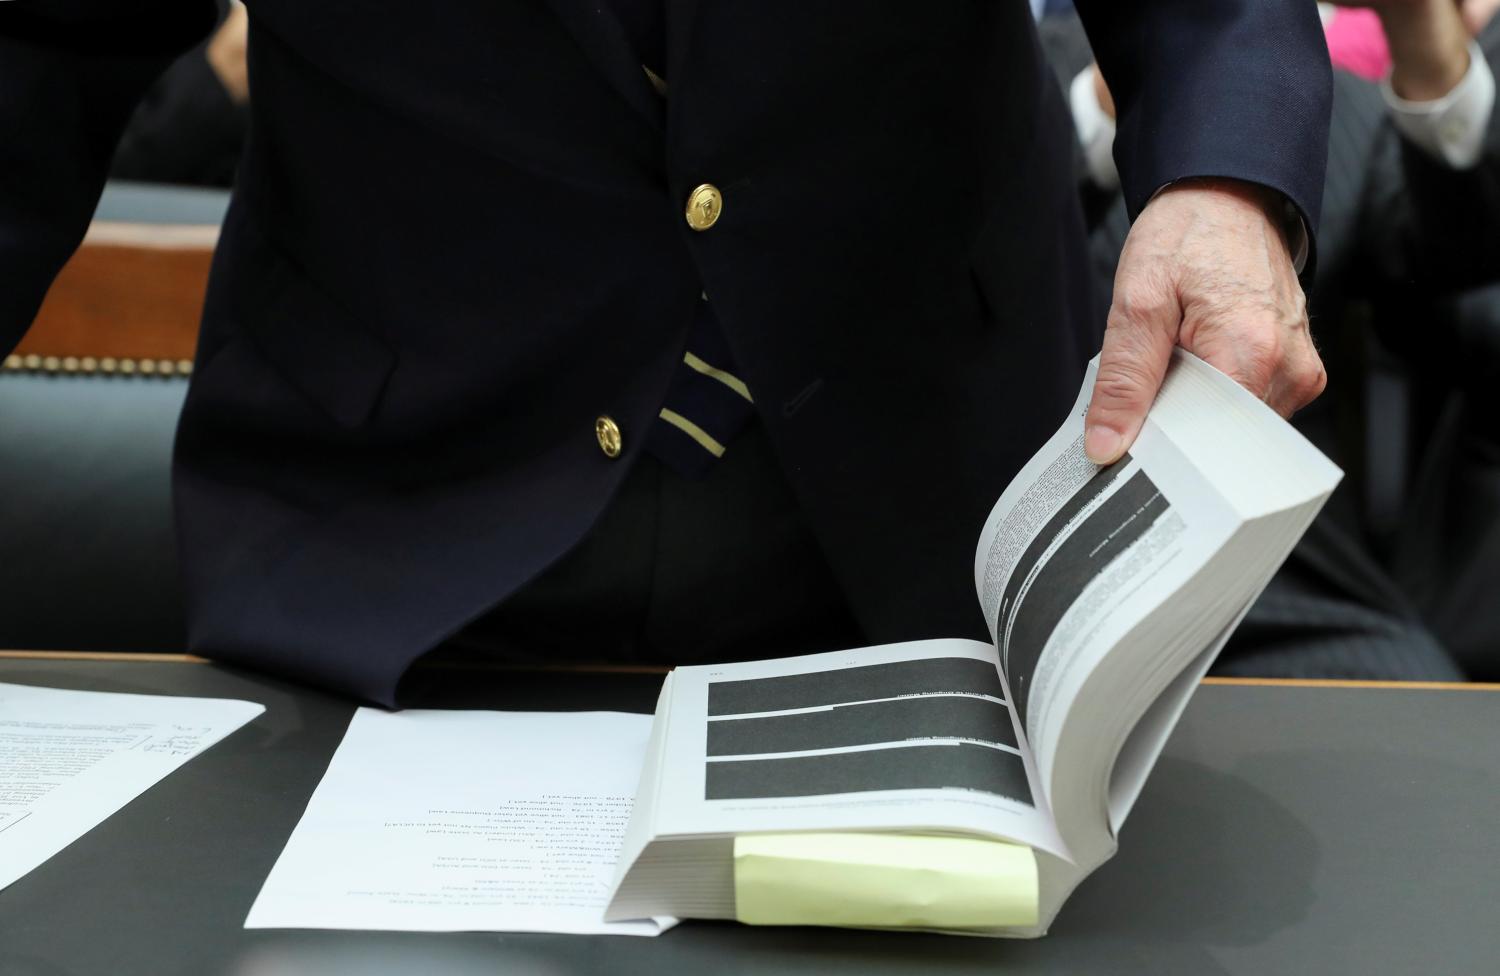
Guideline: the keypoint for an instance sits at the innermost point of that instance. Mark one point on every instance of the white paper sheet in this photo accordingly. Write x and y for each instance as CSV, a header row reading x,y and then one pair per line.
x,y
448,821
69,759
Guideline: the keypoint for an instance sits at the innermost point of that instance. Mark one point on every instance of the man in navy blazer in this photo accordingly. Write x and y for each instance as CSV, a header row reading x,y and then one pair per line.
x,y
486,256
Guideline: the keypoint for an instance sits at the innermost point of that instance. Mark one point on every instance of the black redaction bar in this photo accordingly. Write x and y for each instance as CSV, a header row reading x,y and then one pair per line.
x,y
960,675
967,767
937,716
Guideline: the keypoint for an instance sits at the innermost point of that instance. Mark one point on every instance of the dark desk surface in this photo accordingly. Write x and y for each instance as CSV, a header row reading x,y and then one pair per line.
x,y
1287,829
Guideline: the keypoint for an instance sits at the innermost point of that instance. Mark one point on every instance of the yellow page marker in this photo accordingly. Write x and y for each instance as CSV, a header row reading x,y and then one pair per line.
x,y
884,881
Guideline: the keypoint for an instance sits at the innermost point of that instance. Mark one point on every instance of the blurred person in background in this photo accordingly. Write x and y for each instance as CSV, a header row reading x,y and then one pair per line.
x,y
189,127
1446,551
1384,579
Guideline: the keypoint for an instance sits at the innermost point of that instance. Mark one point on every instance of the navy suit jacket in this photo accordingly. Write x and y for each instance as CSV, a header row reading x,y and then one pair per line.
x,y
458,238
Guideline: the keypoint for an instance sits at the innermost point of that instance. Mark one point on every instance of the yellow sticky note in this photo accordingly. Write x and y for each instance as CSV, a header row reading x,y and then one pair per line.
x,y
883,881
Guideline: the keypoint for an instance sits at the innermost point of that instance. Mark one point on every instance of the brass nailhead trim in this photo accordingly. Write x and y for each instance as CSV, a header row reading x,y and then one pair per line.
x,y
89,365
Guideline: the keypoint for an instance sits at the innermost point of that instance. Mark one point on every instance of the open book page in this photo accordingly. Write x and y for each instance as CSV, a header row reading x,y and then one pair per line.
x,y
1075,555
913,736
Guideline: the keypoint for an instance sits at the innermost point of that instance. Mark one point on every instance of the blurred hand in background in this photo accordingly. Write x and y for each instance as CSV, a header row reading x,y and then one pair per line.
x,y
225,54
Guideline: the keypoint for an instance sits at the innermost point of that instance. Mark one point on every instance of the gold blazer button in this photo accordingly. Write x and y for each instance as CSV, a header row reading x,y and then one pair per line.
x,y
608,433
704,206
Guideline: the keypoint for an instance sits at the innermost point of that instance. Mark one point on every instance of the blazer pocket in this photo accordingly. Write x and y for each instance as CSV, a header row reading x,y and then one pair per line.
x,y
321,348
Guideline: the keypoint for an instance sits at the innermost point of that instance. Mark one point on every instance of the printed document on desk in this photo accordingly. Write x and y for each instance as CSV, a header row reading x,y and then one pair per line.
x,y
452,821
69,759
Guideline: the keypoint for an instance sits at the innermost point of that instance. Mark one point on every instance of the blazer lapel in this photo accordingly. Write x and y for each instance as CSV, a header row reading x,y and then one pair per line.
x,y
603,40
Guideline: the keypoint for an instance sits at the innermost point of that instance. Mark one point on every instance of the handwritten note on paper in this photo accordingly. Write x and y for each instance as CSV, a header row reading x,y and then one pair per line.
x,y
69,759
447,821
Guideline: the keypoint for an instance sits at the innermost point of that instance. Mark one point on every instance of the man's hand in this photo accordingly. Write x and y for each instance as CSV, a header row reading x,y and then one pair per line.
x,y
1429,45
1478,14
1206,266
225,54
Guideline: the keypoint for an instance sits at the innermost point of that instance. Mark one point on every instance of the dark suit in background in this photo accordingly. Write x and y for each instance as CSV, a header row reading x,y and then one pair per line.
x,y
1445,550
1399,231
457,239
186,129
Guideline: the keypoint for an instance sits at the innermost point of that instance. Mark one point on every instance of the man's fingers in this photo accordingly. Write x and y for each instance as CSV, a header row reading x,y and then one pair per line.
x,y
1138,345
1245,347
1268,350
1301,381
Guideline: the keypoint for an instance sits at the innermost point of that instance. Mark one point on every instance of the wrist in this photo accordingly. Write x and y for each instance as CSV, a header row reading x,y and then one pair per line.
x,y
1243,195
1251,201
1429,48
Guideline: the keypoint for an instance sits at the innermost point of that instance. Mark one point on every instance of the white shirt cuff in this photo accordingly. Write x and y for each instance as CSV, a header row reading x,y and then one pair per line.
x,y
1096,131
1452,128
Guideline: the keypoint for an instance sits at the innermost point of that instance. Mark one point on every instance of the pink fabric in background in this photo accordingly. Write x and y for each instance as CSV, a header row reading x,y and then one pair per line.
x,y
1356,43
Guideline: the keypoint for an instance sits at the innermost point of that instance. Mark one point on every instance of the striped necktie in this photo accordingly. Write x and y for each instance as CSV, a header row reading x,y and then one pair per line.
x,y
707,404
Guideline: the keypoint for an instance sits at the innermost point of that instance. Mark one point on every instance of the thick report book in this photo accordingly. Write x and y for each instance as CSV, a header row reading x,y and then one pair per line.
x,y
1108,592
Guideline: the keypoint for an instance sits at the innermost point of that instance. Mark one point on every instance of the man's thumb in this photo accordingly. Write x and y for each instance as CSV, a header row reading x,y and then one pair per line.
x,y
1137,348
